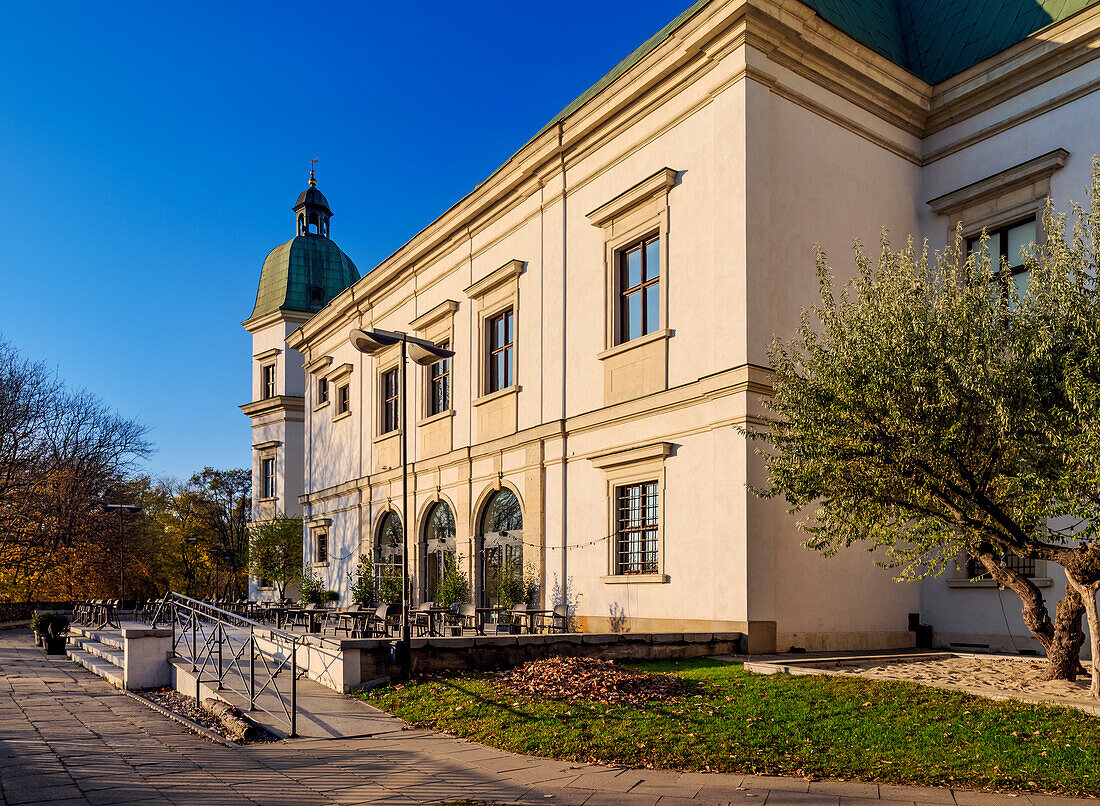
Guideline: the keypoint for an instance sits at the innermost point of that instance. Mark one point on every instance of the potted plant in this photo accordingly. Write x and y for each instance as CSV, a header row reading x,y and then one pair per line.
x,y
38,627
55,628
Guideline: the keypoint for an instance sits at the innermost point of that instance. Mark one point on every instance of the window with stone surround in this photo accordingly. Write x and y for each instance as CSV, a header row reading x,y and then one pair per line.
x,y
1005,246
322,391
639,288
439,385
321,547
267,381
637,523
267,477
343,399
390,401
501,349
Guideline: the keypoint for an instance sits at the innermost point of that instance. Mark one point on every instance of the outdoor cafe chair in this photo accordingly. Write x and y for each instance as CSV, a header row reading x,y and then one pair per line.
x,y
468,617
422,618
556,620
380,624
513,621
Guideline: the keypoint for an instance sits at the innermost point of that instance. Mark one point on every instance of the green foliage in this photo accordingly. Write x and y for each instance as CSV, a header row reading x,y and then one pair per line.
x,y
389,585
511,590
805,726
311,589
275,550
50,625
928,406
454,587
362,585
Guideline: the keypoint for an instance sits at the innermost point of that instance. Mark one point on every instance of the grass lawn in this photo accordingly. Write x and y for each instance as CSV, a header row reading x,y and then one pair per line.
x,y
810,726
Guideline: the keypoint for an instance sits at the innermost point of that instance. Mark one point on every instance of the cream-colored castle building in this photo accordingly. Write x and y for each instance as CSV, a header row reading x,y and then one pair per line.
x,y
610,293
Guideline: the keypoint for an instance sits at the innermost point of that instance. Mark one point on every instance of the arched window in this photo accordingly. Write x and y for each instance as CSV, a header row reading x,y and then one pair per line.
x,y
389,549
501,548
439,547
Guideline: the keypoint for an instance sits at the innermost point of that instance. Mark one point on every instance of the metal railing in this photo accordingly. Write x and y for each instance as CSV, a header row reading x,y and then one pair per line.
x,y
221,641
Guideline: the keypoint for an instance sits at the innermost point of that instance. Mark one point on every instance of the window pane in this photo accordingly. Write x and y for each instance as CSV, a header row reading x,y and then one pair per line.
x,y
652,308
653,259
1019,237
507,376
498,331
507,328
633,320
992,248
633,267
1020,279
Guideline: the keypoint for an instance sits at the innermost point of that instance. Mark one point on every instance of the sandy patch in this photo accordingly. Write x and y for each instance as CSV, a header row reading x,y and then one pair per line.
x,y
993,676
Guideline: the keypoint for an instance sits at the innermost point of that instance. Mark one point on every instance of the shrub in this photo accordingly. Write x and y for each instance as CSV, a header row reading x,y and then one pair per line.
x,y
362,586
454,587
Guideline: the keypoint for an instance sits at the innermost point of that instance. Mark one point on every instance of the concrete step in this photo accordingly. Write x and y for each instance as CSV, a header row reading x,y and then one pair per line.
x,y
111,638
108,671
102,651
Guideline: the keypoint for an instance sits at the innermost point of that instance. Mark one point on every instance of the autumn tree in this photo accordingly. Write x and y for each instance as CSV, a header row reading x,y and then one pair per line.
x,y
60,450
275,551
929,408
219,503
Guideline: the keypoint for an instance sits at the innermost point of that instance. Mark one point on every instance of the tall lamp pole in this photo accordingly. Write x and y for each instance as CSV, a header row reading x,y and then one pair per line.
x,y
121,549
424,353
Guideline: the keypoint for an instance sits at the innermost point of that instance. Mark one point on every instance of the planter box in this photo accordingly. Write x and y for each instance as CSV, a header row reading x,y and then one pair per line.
x,y
55,646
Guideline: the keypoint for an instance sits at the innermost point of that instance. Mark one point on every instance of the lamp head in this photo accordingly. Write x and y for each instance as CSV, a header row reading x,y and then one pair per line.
x,y
371,341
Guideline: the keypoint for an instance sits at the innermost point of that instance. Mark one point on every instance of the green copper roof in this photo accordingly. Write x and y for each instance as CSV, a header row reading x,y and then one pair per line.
x,y
303,274
936,39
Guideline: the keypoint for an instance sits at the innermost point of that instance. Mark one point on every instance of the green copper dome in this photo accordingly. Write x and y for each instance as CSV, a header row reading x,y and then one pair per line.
x,y
306,272
303,274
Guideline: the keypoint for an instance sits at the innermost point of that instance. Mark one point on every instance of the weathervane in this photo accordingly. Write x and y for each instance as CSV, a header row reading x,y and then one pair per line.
x,y
312,178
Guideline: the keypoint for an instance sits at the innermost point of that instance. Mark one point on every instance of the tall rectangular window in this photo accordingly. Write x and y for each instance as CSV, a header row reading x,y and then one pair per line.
x,y
389,401
267,381
322,547
267,478
343,399
639,288
322,391
502,346
439,387
1005,246
636,521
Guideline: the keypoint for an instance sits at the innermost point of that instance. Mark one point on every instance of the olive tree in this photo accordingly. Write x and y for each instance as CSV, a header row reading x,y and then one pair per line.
x,y
930,408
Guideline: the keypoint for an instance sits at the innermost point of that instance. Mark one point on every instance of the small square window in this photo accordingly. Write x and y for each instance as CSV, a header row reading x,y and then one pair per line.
x,y
501,348
322,391
390,401
637,523
267,477
343,399
267,381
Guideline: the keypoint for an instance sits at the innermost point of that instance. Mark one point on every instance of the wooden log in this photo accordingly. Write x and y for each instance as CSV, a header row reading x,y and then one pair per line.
x,y
236,725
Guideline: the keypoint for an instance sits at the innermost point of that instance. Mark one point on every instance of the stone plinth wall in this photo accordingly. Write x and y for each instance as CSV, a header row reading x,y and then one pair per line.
x,y
501,652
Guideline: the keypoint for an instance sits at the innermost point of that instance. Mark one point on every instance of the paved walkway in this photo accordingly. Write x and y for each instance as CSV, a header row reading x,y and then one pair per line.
x,y
67,737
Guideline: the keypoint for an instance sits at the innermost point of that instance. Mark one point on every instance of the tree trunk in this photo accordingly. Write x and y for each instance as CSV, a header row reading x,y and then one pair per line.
x,y
1064,652
1087,592
1063,638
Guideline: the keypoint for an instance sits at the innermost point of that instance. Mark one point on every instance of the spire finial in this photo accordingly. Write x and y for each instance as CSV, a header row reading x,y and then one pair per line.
x,y
312,178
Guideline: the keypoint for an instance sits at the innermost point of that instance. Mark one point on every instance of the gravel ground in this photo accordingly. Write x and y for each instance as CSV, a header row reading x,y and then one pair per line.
x,y
189,707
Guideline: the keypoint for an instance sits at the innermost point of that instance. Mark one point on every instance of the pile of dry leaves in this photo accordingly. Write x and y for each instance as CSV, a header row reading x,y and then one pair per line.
x,y
592,679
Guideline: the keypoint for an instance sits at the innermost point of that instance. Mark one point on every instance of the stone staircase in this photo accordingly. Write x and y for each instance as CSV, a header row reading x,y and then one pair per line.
x,y
102,652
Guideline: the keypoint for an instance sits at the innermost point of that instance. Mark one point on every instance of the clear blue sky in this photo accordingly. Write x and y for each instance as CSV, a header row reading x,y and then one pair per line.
x,y
151,153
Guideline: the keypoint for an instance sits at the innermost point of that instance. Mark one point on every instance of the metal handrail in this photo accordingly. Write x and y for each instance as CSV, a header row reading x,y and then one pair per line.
x,y
219,619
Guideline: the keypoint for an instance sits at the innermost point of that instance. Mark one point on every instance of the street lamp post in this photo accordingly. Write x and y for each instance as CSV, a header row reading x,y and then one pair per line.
x,y
424,353
121,549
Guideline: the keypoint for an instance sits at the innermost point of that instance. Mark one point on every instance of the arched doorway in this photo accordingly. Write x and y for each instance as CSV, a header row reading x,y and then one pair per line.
x,y
500,545
389,551
439,547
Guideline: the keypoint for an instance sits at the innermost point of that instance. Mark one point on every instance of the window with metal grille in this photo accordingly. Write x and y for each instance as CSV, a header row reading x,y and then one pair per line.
x,y
343,399
439,387
636,528
501,351
322,547
389,401
322,391
267,381
975,569
267,478
1005,246
639,288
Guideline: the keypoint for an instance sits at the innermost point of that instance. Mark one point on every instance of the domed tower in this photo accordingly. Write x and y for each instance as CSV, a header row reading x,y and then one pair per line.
x,y
298,279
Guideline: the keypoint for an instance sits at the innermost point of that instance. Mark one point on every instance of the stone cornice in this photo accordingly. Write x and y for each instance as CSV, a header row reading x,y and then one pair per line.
x,y
443,309
275,317
496,278
999,184
630,455
279,403
640,193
